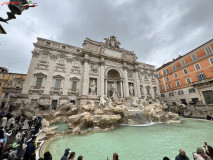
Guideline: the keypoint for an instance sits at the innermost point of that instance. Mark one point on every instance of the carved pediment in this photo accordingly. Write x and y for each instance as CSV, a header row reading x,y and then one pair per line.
x,y
41,65
58,77
69,59
62,55
60,68
40,74
77,59
75,70
74,79
53,57
148,87
46,52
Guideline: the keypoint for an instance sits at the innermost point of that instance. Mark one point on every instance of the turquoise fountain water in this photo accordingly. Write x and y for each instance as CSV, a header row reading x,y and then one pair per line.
x,y
137,143
61,127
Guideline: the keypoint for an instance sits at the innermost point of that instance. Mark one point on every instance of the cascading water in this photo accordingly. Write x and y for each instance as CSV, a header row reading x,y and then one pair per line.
x,y
150,119
159,120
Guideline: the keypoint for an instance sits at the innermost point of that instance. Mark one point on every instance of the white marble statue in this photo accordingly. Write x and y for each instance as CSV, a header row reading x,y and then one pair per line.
x,y
109,101
102,101
115,94
131,90
93,88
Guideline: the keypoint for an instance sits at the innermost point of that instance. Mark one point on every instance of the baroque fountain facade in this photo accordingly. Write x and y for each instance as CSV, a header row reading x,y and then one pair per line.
x,y
94,88
61,73
98,86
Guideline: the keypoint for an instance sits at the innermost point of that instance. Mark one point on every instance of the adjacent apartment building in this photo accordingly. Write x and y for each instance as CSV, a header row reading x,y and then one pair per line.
x,y
188,78
10,86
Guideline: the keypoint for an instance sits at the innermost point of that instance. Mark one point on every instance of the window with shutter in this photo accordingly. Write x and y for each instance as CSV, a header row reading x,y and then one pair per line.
x,y
211,60
208,50
39,82
57,83
188,80
197,66
173,67
183,62
74,85
201,77
185,71
194,57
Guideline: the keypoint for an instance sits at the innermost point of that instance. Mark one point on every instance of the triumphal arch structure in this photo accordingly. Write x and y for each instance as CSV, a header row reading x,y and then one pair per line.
x,y
61,73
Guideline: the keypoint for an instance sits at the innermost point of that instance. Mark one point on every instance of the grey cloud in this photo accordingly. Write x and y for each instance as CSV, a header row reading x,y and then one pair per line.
x,y
156,30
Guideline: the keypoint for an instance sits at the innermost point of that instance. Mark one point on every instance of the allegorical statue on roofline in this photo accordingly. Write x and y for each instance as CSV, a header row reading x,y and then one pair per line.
x,y
112,42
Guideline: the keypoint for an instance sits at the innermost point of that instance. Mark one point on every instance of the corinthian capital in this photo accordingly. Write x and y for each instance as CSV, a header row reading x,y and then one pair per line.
x,y
86,58
36,54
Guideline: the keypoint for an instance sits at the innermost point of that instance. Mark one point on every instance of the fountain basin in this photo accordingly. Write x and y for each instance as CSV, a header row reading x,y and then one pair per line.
x,y
136,142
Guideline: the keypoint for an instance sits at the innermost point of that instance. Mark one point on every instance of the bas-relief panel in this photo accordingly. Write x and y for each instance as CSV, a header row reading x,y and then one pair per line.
x,y
114,64
94,48
128,57
112,53
94,68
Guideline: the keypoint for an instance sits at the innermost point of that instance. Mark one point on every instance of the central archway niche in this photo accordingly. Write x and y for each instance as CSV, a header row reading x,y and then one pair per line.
x,y
114,77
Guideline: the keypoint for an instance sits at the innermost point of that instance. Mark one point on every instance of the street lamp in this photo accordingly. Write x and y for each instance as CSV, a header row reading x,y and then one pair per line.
x,y
16,7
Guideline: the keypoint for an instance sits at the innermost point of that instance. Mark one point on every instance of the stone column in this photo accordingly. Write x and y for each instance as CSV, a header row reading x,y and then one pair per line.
x,y
86,76
106,87
126,88
121,83
102,63
137,85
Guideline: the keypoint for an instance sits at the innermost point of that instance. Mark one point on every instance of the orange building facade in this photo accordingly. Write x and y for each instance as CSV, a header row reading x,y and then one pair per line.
x,y
10,86
188,78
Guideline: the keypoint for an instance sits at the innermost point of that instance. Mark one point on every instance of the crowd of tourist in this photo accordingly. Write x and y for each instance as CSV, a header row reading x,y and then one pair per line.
x,y
205,153
202,153
18,141
68,155
18,137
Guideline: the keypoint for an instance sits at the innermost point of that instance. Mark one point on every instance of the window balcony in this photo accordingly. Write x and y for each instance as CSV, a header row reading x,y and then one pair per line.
x,y
202,82
38,89
56,91
72,91
43,61
60,64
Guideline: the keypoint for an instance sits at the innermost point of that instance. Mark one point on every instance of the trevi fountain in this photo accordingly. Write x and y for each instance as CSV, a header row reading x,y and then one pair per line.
x,y
98,100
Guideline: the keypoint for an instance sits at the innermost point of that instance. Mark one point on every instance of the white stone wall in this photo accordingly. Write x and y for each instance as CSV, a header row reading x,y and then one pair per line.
x,y
90,67
187,96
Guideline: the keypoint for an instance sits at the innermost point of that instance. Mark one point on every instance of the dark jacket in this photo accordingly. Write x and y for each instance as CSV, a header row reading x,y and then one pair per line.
x,y
179,157
1,134
30,148
66,153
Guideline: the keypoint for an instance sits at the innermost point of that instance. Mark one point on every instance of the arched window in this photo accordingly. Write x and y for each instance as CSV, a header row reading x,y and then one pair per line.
x,y
180,92
171,94
162,95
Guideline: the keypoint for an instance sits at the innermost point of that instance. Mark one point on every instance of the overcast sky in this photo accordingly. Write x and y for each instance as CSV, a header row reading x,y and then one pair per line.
x,y
156,30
